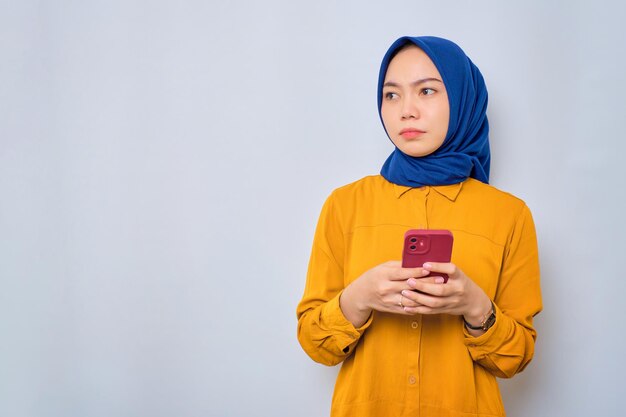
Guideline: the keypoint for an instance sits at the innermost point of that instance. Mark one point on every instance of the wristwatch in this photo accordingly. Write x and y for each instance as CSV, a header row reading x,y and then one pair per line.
x,y
488,320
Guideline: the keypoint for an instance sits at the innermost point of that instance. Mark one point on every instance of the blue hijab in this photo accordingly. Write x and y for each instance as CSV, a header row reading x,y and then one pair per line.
x,y
465,151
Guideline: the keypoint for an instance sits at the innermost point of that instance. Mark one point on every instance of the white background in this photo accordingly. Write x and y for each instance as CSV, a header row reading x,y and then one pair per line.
x,y
163,164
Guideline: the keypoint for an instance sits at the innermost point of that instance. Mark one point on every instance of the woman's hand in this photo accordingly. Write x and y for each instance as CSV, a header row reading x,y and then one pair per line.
x,y
459,296
379,289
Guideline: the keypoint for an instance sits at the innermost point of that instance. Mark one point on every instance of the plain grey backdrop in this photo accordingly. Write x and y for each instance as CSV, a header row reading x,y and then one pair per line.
x,y
163,164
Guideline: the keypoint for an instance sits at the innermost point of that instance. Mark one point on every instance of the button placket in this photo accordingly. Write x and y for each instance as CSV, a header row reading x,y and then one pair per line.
x,y
414,330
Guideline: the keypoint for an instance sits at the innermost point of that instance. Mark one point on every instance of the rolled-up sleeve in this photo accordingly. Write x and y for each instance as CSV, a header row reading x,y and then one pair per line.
x,y
323,331
509,345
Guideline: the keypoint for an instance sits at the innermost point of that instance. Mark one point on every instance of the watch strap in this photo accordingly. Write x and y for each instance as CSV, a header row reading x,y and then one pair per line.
x,y
488,320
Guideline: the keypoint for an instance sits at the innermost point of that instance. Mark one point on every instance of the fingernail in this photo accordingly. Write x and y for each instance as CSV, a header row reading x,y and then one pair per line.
x,y
427,265
411,282
439,280
404,293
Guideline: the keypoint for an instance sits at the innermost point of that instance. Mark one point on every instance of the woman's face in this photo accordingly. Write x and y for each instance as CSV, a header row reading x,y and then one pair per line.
x,y
415,108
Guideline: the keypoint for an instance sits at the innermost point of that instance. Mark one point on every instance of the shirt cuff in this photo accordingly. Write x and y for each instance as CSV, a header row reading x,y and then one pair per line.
x,y
490,340
345,334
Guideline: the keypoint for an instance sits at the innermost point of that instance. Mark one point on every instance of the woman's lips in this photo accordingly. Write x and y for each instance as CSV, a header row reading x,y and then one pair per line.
x,y
411,133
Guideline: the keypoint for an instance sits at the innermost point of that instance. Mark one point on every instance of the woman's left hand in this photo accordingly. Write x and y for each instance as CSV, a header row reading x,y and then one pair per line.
x,y
459,296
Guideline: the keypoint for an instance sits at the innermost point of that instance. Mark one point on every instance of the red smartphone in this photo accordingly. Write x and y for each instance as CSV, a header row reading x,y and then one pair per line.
x,y
424,245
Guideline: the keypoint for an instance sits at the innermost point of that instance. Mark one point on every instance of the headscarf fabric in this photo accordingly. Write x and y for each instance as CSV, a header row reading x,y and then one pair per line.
x,y
465,150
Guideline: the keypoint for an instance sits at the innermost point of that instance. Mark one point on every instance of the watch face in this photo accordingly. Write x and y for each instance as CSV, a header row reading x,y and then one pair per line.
x,y
489,322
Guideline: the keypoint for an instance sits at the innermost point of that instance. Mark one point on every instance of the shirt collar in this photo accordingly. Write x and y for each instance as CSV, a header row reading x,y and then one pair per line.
x,y
451,192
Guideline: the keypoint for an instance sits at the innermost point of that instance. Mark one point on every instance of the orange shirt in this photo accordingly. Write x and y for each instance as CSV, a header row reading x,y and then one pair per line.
x,y
422,365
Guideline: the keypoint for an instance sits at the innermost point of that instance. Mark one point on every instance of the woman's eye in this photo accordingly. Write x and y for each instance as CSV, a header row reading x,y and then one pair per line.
x,y
390,96
428,91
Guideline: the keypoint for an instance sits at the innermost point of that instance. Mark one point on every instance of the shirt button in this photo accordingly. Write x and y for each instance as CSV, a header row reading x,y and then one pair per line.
x,y
414,325
412,379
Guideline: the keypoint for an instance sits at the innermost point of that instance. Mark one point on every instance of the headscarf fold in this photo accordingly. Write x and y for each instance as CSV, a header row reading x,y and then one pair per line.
x,y
465,151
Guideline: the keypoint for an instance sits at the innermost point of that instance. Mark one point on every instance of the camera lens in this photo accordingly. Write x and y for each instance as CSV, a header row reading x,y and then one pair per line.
x,y
412,247
413,239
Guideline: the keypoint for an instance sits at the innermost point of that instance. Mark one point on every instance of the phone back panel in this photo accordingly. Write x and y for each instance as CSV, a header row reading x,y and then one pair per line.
x,y
424,245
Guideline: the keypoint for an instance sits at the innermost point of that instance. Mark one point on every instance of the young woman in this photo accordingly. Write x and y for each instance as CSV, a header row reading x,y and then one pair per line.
x,y
412,345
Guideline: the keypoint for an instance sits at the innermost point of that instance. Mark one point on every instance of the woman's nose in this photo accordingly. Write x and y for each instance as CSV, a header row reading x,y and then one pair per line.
x,y
410,110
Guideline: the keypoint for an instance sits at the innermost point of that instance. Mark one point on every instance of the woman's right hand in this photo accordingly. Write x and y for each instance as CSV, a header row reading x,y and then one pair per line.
x,y
378,289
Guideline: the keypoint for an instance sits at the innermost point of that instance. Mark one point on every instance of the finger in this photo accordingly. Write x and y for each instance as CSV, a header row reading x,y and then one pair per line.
x,y
394,310
407,311
430,279
420,310
397,305
426,300
400,300
407,302
434,287
446,268
402,274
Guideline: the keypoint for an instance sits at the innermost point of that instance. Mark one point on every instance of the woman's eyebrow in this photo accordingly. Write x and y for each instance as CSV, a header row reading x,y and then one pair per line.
x,y
413,84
